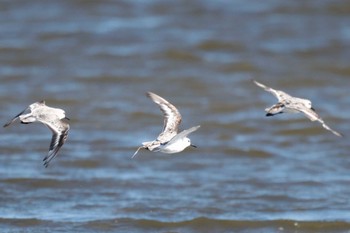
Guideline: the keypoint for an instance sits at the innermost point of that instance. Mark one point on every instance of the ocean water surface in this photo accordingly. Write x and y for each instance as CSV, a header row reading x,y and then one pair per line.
x,y
97,59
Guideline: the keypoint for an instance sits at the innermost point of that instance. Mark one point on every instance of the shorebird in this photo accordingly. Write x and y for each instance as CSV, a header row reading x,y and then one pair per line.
x,y
290,104
168,141
52,118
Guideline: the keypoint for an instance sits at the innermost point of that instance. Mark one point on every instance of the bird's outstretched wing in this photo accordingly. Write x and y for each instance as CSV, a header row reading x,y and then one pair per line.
x,y
16,117
280,95
183,134
59,136
313,116
172,117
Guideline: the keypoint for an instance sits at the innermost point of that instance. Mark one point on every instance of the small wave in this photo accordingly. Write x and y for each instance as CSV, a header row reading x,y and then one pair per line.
x,y
203,224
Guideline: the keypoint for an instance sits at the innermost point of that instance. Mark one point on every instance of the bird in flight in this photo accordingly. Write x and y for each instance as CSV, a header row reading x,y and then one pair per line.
x,y
290,104
169,140
52,118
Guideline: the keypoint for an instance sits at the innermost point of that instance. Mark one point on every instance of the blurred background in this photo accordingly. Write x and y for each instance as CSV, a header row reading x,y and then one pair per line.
x,y
97,59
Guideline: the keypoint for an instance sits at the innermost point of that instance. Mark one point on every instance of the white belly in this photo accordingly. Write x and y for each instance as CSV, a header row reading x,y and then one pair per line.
x,y
172,148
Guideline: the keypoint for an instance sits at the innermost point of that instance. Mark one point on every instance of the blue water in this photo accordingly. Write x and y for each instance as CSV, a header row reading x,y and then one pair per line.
x,y
97,59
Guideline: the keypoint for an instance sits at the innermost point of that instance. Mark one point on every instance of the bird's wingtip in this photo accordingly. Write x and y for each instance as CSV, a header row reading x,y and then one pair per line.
x,y
46,162
149,93
259,84
136,152
339,134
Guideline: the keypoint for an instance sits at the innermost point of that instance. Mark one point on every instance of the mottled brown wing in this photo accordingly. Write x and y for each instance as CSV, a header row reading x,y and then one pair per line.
x,y
172,118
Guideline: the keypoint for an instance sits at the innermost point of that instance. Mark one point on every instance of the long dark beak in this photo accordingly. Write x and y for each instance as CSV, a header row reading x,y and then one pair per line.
x,y
67,118
193,146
